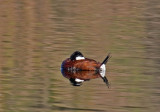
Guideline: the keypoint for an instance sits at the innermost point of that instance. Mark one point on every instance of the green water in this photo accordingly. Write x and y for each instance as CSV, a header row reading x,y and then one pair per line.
x,y
36,36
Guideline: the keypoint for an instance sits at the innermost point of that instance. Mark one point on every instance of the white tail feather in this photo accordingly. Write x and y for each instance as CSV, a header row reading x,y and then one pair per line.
x,y
102,70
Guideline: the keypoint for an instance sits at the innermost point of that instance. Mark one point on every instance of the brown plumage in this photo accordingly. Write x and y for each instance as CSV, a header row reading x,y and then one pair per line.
x,y
83,75
78,69
79,63
86,64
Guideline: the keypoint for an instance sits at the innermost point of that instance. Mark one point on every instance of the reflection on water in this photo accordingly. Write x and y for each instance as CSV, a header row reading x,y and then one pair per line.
x,y
37,35
78,77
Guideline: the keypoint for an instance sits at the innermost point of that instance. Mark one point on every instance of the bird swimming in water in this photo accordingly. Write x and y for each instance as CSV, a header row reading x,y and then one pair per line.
x,y
77,62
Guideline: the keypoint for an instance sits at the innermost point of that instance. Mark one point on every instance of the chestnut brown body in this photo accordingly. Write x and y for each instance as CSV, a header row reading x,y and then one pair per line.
x,y
78,69
83,75
83,65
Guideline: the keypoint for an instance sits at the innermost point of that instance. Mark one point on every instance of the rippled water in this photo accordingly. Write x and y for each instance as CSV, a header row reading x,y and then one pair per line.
x,y
36,36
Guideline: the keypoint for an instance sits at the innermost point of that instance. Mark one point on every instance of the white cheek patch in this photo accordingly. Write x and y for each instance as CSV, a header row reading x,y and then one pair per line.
x,y
78,80
80,58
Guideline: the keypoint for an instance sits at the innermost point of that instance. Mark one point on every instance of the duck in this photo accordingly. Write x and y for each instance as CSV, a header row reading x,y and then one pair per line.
x,y
77,68
77,62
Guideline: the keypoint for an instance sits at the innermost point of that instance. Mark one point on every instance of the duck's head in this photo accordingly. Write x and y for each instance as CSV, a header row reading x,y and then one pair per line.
x,y
77,56
76,81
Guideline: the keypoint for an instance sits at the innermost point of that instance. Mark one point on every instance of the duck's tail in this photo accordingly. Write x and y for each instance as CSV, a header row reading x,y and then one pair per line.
x,y
103,64
103,69
106,59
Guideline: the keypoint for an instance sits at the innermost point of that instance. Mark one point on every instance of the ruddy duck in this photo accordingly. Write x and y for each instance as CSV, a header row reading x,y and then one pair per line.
x,y
77,62
77,68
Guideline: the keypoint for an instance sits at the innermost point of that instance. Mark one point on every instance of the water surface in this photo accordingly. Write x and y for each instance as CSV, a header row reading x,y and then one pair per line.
x,y
36,36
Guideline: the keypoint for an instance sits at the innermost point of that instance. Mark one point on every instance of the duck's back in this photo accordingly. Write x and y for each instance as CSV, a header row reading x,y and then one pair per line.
x,y
86,64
